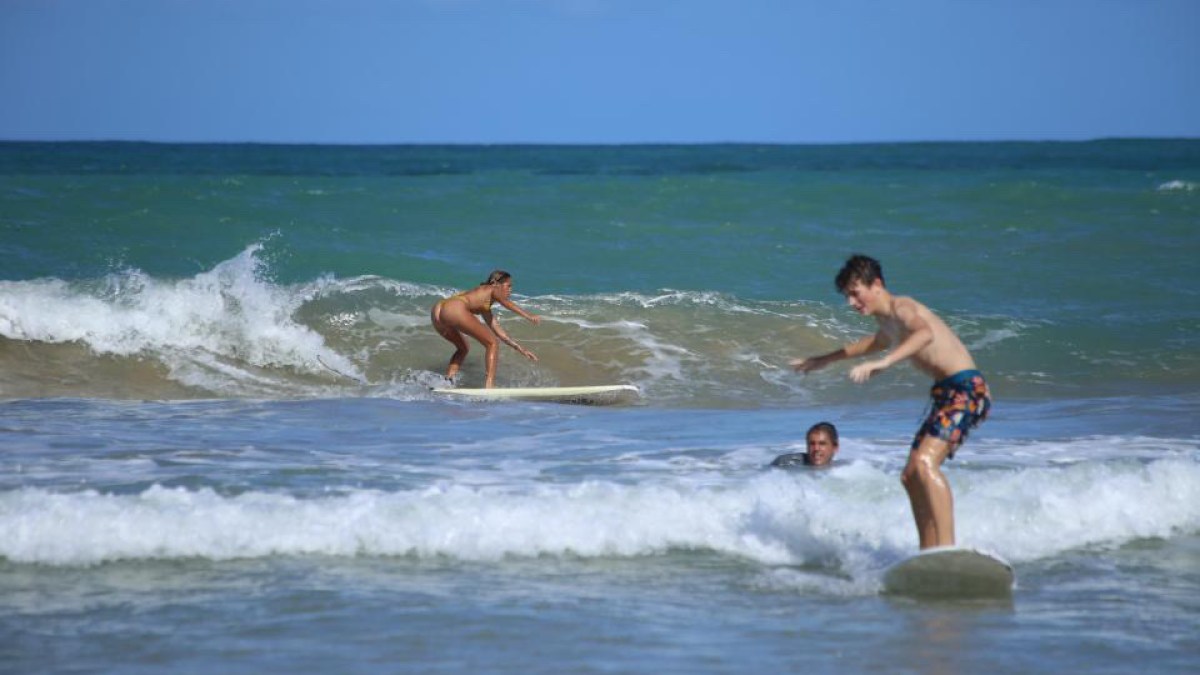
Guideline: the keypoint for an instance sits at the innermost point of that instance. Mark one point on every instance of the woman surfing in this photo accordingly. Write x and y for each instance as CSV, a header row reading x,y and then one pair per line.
x,y
454,316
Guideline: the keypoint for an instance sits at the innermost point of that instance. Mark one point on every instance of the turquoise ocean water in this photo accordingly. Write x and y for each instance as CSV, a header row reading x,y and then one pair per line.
x,y
188,484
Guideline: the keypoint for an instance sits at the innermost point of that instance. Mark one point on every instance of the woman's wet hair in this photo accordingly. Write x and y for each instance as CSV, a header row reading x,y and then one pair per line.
x,y
497,277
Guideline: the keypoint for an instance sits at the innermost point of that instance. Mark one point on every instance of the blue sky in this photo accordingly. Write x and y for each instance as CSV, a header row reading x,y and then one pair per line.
x,y
598,71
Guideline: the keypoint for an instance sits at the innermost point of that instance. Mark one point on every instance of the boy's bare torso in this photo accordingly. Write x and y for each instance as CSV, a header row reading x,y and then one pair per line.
x,y
945,354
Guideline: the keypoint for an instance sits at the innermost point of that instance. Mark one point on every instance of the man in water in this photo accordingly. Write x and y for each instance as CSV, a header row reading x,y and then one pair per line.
x,y
961,399
822,442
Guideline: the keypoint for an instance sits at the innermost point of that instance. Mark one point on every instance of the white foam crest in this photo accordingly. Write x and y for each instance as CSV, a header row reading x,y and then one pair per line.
x,y
226,313
662,360
1178,186
404,289
854,518
706,299
664,297
592,519
1038,512
756,520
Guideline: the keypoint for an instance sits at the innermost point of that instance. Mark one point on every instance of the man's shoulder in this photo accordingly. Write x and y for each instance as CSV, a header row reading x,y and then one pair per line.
x,y
790,460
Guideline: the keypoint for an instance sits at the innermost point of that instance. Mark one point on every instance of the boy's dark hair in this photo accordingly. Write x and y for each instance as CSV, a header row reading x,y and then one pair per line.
x,y
859,268
827,428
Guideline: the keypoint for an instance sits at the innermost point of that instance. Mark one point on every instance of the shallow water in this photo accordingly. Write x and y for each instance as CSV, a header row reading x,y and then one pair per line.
x,y
358,534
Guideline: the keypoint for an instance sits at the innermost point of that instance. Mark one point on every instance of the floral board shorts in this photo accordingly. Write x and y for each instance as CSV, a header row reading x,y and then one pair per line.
x,y
960,403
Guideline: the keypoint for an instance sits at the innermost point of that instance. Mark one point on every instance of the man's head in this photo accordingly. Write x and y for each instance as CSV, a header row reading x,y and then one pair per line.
x,y
822,442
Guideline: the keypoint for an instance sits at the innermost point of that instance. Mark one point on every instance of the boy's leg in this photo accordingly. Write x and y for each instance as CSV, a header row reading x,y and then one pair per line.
x,y
929,492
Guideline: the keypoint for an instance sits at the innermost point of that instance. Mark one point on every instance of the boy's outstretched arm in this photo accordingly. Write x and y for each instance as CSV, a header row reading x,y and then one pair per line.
x,y
870,343
919,335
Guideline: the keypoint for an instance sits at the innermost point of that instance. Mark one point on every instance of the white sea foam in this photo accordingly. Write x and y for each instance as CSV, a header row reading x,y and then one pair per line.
x,y
855,518
231,331
210,330
1178,186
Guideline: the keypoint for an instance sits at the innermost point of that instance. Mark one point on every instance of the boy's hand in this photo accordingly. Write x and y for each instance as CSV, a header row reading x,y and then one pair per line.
x,y
806,365
863,372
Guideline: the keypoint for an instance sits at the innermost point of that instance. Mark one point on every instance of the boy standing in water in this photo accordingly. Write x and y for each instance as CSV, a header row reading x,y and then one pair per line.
x,y
960,396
